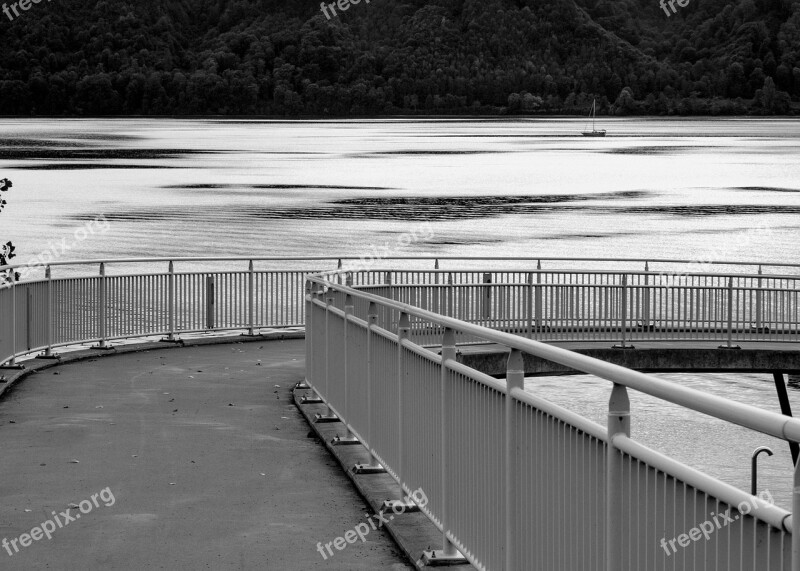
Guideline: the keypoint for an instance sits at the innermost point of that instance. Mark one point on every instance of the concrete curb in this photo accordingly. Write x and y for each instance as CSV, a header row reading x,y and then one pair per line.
x,y
412,532
11,376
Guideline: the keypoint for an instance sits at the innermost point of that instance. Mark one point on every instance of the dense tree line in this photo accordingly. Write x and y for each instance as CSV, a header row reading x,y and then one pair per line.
x,y
284,57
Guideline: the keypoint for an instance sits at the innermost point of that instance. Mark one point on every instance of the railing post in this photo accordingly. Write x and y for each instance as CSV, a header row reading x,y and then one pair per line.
x,y
529,306
487,296
171,301
619,422
729,343
759,296
12,362
210,302
646,298
328,304
48,275
373,466
348,438
515,379
250,299
309,326
448,554
448,354
102,307
624,312
538,297
403,331
450,295
28,318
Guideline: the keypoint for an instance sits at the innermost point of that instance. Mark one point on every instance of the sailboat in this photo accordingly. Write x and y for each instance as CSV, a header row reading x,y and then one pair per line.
x,y
594,132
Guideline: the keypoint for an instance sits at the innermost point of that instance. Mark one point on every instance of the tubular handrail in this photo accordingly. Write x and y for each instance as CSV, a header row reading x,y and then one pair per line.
x,y
97,261
748,416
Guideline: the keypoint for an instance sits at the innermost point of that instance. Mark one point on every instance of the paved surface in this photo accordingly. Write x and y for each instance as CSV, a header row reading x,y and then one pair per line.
x,y
208,460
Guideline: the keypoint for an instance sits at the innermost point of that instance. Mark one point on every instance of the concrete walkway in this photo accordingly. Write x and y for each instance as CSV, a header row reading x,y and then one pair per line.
x,y
208,461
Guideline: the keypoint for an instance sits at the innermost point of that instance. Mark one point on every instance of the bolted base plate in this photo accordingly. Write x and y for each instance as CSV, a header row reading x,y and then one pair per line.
x,y
325,418
399,506
726,347
173,340
104,347
301,386
343,440
310,400
623,347
368,469
54,356
438,558
13,367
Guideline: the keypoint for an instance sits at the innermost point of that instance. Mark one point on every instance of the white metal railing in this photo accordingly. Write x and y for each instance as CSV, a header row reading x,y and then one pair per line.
x,y
512,480
541,298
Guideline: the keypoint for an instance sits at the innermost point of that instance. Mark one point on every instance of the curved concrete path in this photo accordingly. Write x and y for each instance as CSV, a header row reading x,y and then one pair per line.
x,y
208,460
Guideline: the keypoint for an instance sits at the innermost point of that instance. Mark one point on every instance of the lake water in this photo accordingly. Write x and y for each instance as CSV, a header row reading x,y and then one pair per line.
x,y
692,189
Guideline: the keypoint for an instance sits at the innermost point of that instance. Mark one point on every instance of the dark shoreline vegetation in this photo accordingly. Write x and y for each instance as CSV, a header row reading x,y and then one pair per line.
x,y
282,58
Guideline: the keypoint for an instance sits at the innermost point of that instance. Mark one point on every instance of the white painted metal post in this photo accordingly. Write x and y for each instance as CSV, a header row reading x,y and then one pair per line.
x,y
250,299
372,321
48,275
448,354
349,437
759,296
646,296
623,311
13,361
102,307
309,326
403,331
515,379
538,296
328,305
730,312
619,422
529,306
171,302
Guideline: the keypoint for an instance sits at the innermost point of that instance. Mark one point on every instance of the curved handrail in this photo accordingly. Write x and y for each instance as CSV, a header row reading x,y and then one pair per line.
x,y
748,416
97,261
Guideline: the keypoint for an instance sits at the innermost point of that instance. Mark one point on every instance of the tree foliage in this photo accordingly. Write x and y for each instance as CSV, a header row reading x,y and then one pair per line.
x,y
284,57
7,249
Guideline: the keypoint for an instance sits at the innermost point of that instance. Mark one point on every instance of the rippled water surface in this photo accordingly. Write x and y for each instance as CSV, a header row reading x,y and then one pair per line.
x,y
698,189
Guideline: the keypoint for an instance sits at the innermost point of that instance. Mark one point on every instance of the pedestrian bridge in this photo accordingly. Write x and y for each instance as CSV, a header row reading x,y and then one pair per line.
x,y
407,354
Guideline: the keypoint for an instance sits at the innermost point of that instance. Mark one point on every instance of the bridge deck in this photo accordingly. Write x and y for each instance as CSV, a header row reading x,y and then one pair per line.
x,y
205,454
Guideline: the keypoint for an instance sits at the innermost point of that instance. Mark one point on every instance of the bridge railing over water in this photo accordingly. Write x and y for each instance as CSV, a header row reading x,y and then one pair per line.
x,y
514,481
501,467
546,299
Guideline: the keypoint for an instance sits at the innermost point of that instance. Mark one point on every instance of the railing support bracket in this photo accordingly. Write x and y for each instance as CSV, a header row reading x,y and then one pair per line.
x,y
399,506
439,558
320,418
368,469
344,440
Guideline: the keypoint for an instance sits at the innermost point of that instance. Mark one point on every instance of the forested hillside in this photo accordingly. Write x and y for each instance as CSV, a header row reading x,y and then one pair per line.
x,y
284,57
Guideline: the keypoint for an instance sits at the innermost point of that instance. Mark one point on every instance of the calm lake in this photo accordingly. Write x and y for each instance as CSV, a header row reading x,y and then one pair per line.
x,y
692,189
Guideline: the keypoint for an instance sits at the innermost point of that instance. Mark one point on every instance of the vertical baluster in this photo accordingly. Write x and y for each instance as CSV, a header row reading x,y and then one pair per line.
x,y
619,423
